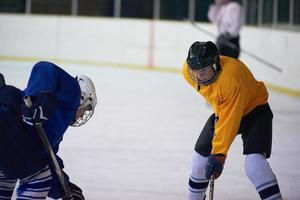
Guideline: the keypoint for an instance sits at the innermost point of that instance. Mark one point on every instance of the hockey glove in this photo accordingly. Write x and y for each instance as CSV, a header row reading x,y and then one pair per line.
x,y
76,192
214,166
42,107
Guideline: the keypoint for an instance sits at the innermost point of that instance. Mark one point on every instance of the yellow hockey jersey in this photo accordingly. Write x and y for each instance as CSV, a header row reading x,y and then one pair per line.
x,y
233,95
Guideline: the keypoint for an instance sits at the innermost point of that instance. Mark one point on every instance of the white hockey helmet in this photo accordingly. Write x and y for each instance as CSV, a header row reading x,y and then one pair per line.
x,y
88,99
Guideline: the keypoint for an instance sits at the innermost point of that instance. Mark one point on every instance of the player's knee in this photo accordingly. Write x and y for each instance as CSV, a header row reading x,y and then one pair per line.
x,y
198,165
257,168
197,179
261,175
251,165
197,182
36,185
7,186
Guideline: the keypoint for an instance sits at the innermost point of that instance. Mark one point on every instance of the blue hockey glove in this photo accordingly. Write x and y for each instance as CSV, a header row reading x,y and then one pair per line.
x,y
214,166
42,107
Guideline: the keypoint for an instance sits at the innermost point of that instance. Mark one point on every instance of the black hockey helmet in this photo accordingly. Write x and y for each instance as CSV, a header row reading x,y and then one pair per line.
x,y
203,56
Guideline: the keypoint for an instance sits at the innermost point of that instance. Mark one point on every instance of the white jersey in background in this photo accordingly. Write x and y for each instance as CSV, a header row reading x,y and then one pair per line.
x,y
228,17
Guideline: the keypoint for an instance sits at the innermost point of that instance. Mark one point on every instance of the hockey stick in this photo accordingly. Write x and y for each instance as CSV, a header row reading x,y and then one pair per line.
x,y
211,188
242,50
53,160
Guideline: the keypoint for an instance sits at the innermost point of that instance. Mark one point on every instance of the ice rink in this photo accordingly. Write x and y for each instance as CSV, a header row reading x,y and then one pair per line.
x,y
139,143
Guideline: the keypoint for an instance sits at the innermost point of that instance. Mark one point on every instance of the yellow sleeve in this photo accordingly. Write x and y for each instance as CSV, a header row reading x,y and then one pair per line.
x,y
230,115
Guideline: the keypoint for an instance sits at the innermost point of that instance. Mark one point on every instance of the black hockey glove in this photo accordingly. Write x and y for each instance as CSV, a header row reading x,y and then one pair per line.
x,y
76,192
214,166
42,107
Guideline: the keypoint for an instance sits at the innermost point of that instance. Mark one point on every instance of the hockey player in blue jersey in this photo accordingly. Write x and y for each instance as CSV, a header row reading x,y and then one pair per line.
x,y
58,100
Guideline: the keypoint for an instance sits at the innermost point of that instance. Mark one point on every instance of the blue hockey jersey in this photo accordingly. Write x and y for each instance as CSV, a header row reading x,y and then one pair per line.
x,y
21,153
46,76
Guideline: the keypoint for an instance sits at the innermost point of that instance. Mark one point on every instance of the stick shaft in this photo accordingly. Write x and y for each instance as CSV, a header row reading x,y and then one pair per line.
x,y
51,155
211,188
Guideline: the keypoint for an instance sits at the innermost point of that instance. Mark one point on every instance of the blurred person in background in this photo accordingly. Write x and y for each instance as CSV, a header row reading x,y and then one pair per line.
x,y
59,100
240,105
227,15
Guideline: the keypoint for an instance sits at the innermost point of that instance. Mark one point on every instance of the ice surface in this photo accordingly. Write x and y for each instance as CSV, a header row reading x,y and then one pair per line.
x,y
138,145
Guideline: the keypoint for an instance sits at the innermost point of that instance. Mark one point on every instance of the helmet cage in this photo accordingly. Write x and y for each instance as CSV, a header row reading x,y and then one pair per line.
x,y
82,120
204,76
88,100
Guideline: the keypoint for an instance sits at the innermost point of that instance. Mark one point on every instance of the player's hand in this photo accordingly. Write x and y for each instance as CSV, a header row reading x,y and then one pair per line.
x,y
76,192
214,166
42,107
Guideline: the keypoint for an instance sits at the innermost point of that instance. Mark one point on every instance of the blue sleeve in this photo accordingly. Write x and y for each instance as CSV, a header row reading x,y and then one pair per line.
x,y
44,77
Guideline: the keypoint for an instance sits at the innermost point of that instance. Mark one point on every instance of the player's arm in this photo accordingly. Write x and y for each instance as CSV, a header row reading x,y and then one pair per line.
x,y
41,87
43,77
229,118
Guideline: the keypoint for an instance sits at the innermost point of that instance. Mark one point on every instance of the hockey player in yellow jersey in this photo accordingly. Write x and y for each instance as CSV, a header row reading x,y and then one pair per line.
x,y
240,105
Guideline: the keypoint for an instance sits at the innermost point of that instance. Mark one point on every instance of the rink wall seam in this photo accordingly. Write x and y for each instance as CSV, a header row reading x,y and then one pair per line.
x,y
276,88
